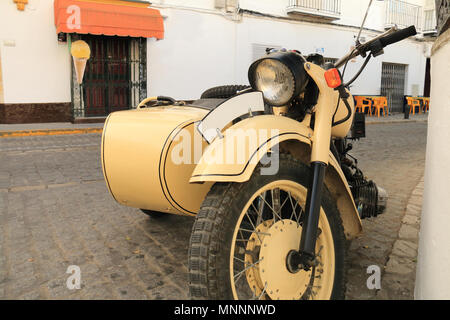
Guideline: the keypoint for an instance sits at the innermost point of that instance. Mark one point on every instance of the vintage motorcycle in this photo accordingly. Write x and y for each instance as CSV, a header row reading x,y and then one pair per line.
x,y
264,169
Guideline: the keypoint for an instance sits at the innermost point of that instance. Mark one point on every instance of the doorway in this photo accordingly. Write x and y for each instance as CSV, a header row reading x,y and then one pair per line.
x,y
115,77
393,76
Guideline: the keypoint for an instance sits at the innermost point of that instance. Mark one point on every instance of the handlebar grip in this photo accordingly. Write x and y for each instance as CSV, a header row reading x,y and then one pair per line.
x,y
398,36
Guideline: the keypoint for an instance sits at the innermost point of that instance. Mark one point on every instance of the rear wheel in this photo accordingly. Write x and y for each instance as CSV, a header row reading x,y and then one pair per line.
x,y
244,232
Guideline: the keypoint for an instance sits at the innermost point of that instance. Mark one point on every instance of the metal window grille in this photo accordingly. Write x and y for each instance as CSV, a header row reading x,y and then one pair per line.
x,y
115,77
403,14
429,23
326,6
393,78
332,60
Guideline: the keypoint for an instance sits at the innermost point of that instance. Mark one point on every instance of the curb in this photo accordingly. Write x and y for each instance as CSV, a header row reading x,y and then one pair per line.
x,y
395,121
400,270
48,132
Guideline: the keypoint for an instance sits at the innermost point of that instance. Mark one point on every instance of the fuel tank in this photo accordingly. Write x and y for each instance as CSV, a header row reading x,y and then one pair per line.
x,y
148,156
341,130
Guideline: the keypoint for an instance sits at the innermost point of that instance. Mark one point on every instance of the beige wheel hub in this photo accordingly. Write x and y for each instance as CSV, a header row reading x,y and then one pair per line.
x,y
278,282
252,256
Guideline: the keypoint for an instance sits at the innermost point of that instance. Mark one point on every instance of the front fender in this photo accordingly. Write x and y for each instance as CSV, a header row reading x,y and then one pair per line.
x,y
234,157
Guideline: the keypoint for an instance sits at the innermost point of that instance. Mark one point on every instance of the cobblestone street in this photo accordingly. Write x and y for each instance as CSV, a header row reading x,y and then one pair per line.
x,y
55,211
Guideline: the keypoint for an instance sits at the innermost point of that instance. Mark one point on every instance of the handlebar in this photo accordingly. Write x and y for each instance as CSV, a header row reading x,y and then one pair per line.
x,y
389,37
398,36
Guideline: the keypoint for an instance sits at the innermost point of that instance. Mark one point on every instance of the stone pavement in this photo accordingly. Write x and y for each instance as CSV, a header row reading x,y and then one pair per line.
x,y
393,155
55,211
396,118
400,270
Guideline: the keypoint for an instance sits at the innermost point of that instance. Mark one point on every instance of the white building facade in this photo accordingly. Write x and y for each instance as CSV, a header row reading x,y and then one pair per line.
x,y
206,43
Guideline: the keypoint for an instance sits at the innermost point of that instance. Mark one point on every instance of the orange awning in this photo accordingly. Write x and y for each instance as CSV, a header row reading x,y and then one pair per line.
x,y
113,18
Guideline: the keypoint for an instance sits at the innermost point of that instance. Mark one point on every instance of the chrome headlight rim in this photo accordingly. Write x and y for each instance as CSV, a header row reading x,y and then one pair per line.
x,y
293,62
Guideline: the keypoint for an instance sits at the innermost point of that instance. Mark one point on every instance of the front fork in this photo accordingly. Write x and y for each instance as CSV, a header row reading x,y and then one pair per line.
x,y
312,211
305,257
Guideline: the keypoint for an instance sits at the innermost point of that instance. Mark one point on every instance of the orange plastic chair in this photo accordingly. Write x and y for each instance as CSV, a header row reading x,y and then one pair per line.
x,y
363,103
380,103
413,103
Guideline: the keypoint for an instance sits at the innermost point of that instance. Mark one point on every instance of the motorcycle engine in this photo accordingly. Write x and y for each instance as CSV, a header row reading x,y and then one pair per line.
x,y
370,200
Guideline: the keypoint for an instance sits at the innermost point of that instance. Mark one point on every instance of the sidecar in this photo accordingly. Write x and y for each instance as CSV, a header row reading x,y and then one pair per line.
x,y
138,170
150,153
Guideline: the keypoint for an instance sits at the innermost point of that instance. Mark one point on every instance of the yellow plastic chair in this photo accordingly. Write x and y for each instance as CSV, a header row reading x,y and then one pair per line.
x,y
363,103
413,103
380,103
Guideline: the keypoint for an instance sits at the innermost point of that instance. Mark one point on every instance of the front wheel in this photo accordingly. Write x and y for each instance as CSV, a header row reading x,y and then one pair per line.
x,y
244,231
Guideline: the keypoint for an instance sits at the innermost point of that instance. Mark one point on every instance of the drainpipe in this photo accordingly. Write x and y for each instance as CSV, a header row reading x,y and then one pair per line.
x,y
433,264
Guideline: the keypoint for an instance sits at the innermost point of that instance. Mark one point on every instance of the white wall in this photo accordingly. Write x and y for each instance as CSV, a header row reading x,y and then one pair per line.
x,y
36,68
203,50
411,53
198,51
433,263
353,11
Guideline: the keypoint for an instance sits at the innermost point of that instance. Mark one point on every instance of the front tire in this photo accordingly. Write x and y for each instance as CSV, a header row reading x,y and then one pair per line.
x,y
243,232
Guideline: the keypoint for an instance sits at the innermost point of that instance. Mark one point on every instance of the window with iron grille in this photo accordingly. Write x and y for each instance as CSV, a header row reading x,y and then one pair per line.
x,y
429,21
318,7
331,60
115,77
393,77
403,14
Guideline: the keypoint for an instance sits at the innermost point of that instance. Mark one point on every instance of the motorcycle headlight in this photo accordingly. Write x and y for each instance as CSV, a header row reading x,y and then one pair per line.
x,y
280,76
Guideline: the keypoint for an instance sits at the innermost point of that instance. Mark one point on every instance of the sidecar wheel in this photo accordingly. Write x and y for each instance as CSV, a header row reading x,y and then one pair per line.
x,y
153,214
243,232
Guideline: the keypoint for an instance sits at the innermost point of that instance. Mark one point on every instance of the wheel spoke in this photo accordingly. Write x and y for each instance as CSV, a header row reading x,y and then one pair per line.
x,y
253,225
260,210
294,210
238,275
257,232
274,213
275,193
262,293
242,236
